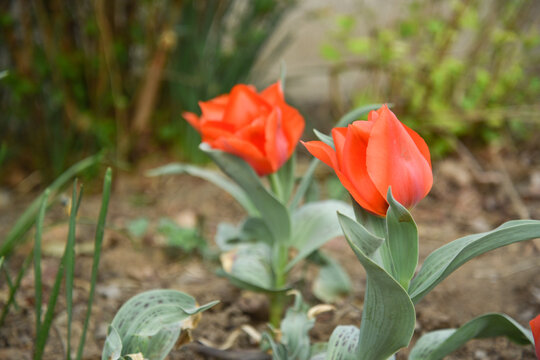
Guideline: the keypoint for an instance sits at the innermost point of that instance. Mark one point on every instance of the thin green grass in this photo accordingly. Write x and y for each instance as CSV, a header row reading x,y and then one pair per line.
x,y
100,230
38,287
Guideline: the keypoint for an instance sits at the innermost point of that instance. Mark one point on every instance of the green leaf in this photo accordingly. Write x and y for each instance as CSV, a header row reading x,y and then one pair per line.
x,y
100,231
314,224
295,329
285,176
150,323
401,241
211,176
388,317
364,240
357,113
327,139
113,344
332,282
272,211
443,261
343,343
437,344
251,230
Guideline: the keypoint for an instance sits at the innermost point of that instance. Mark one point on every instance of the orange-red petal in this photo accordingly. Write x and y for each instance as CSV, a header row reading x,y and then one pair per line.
x,y
393,159
246,151
244,105
323,152
192,119
535,327
353,166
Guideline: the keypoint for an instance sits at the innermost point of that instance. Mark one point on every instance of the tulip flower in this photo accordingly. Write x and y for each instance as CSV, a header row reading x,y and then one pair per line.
x,y
257,127
535,327
371,156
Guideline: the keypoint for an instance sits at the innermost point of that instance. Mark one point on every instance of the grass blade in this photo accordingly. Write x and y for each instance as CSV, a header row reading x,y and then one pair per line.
x,y
38,288
9,284
15,287
100,229
26,220
70,262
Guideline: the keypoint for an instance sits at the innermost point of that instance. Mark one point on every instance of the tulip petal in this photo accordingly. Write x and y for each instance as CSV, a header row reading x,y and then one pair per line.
x,y
211,130
535,327
293,126
215,108
420,143
244,105
246,151
339,135
327,155
276,146
393,159
353,166
323,152
192,119
273,94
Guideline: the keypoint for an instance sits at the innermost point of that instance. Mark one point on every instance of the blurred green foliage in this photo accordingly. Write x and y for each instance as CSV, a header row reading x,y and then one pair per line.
x,y
452,69
87,75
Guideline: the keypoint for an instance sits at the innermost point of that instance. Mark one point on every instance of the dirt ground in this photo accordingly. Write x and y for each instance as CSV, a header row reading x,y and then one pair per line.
x,y
471,193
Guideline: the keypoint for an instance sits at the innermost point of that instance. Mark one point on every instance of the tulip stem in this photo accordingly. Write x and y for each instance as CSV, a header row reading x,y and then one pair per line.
x,y
275,185
277,300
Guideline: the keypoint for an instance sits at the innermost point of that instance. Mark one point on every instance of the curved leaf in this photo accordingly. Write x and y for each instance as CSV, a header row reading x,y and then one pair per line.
x,y
357,113
211,176
388,317
150,323
273,212
401,241
314,224
437,344
443,261
343,343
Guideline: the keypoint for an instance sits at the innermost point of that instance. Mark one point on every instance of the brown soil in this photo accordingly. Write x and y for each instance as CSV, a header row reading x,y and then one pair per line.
x,y
464,200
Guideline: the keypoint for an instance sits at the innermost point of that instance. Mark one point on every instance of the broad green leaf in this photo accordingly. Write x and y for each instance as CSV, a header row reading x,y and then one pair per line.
x,y
113,344
443,261
388,317
365,240
332,282
279,352
314,224
437,344
295,329
252,264
343,343
273,212
150,323
26,220
211,176
251,230
401,241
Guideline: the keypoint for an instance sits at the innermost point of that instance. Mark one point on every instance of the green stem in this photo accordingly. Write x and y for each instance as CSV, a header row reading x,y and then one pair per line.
x,y
277,300
275,184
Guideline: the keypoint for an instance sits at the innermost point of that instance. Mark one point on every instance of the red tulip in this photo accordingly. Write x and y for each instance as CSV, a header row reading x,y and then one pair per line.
x,y
372,155
535,326
257,127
